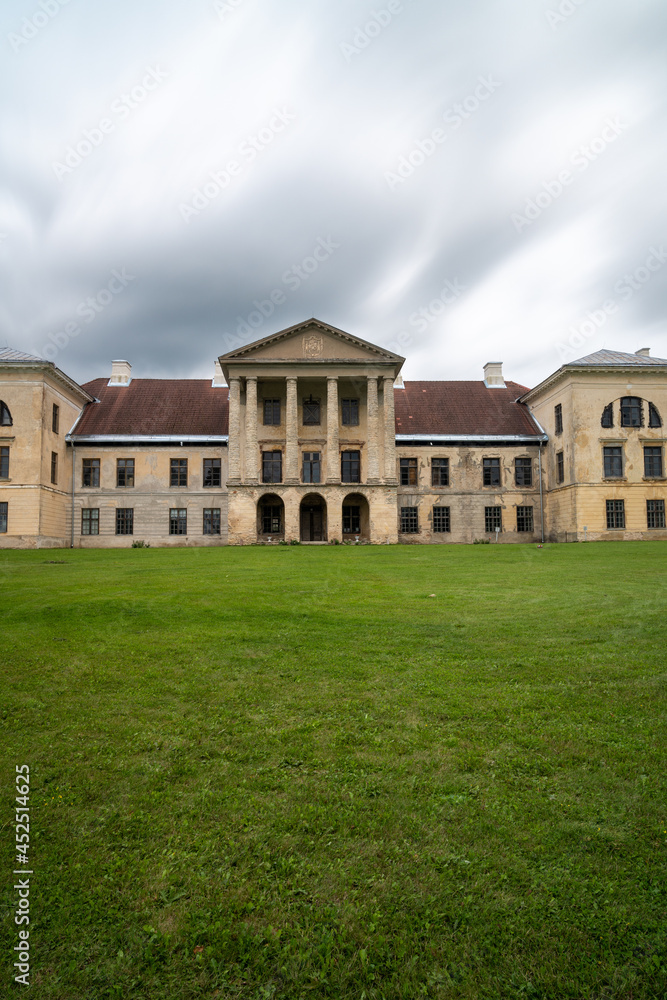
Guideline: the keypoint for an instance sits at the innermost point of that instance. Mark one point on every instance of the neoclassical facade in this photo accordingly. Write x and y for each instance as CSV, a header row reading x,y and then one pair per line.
x,y
311,435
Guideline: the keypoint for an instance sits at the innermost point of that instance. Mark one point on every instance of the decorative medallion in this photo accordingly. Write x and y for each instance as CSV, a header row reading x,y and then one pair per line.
x,y
313,346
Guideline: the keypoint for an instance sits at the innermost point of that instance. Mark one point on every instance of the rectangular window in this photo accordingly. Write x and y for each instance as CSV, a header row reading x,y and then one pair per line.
x,y
631,412
311,412
272,466
351,520
90,473
558,418
655,514
178,472
615,514
409,521
493,519
90,521
653,463
272,522
523,471
350,466
4,462
560,467
4,507
124,520
55,418
350,412
211,520
211,472
178,521
311,466
524,519
441,519
54,468
408,471
491,471
613,462
440,472
125,474
271,412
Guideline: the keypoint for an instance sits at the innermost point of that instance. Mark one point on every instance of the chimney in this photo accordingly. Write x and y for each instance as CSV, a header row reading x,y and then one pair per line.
x,y
493,375
644,352
218,377
120,373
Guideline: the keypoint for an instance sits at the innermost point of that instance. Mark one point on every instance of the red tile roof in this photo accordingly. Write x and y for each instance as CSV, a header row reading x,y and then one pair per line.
x,y
194,406
461,408
156,406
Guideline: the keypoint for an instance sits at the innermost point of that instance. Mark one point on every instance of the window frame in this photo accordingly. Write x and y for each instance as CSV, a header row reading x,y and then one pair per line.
x,y
437,471
351,464
90,466
269,408
125,519
489,466
4,461
654,418
55,419
272,465
178,473
409,521
349,411
408,469
315,409
615,511
125,471
5,415
655,510
90,521
525,518
632,406
493,519
522,479
558,418
210,520
441,519
653,462
607,418
211,466
351,519
269,517
4,516
54,468
311,467
178,521
560,467
611,462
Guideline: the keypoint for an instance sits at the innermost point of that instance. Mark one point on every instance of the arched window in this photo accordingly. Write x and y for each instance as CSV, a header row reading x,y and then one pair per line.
x,y
5,415
653,416
631,412
608,416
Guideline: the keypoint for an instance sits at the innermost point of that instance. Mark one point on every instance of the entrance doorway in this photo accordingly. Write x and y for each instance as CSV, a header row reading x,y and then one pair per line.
x,y
313,519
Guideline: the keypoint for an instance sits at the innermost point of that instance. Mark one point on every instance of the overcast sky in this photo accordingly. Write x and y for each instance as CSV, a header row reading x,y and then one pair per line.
x,y
460,180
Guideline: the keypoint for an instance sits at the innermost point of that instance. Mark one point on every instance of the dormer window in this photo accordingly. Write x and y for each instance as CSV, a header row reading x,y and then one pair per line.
x,y
631,411
608,416
5,415
653,416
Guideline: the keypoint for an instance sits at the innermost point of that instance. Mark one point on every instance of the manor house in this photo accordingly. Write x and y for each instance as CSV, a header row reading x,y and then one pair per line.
x,y
311,435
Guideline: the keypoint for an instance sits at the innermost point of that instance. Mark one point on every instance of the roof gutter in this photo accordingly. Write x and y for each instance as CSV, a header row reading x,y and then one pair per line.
x,y
475,438
147,438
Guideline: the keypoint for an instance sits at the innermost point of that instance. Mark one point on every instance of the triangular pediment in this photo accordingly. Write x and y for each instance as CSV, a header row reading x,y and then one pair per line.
x,y
312,341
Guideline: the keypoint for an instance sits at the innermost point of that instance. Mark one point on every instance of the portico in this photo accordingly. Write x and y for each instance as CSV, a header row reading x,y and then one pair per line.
x,y
311,407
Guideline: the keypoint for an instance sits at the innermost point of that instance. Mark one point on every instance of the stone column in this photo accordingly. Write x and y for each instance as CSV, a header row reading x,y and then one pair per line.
x,y
373,472
333,455
291,433
389,431
234,442
251,429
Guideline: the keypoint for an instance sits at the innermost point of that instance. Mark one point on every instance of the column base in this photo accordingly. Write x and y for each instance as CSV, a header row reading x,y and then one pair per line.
x,y
291,481
373,481
334,482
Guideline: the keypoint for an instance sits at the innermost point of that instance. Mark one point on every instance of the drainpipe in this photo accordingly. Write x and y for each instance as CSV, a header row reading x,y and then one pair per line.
x,y
539,458
71,544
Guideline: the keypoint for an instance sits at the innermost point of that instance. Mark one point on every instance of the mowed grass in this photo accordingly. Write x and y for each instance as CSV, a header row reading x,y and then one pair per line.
x,y
355,772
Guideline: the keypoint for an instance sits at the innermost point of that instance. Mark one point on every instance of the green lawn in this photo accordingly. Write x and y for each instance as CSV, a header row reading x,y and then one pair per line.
x,y
369,772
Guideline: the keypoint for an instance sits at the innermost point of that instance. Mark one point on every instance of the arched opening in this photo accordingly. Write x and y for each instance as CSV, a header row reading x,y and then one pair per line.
x,y
270,518
313,518
356,518
5,415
